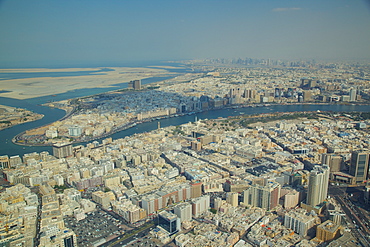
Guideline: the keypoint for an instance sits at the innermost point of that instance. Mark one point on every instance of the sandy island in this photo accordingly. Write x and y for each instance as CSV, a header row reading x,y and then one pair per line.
x,y
27,88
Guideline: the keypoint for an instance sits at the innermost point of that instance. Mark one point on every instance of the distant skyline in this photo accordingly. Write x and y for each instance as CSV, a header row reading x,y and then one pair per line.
x,y
111,32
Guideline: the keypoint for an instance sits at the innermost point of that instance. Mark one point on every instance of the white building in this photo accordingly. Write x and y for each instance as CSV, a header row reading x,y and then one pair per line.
x,y
184,211
200,205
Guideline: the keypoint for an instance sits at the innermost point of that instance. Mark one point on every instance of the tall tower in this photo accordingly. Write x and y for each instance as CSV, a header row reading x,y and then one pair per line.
x,y
318,185
359,165
135,84
352,94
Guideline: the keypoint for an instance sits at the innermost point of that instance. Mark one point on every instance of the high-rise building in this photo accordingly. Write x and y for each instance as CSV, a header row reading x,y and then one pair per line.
x,y
232,198
236,92
352,94
54,236
196,189
169,221
301,222
200,205
75,130
359,165
290,197
196,145
327,231
62,150
334,161
183,211
217,203
4,162
318,185
307,95
69,241
266,197
135,84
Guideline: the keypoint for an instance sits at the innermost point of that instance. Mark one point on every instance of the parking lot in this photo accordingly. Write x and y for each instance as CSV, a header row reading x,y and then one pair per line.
x,y
96,226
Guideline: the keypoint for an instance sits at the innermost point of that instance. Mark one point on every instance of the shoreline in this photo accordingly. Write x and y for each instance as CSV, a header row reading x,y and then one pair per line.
x,y
135,123
36,87
28,121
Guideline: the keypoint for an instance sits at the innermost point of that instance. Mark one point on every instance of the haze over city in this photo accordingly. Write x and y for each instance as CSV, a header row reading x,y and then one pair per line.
x,y
184,123
103,33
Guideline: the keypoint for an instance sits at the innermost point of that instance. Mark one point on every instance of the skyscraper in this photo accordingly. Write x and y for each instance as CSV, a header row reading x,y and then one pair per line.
x,y
359,165
169,221
318,185
352,94
135,84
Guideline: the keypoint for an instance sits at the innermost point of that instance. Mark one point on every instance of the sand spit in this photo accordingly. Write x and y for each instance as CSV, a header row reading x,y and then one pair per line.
x,y
27,88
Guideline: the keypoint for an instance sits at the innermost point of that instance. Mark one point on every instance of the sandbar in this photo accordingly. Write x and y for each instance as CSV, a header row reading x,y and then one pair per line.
x,y
27,88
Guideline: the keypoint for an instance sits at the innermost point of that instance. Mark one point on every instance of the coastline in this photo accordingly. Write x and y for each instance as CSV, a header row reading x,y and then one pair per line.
x,y
34,87
135,123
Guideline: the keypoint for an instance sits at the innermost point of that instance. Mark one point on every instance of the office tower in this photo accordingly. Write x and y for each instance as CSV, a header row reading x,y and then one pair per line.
x,y
334,161
232,198
266,197
62,150
200,205
352,94
318,185
135,84
359,165
169,221
183,211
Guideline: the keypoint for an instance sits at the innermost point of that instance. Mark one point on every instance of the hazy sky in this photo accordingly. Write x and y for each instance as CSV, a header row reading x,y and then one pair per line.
x,y
104,32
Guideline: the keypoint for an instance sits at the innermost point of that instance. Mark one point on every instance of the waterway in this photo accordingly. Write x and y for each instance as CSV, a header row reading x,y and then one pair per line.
x,y
51,115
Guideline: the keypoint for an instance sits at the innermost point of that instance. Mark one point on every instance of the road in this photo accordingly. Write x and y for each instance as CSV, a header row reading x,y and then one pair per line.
x,y
126,238
360,226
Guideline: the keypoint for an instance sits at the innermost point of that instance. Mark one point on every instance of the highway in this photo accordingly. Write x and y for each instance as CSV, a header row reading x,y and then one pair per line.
x,y
359,223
